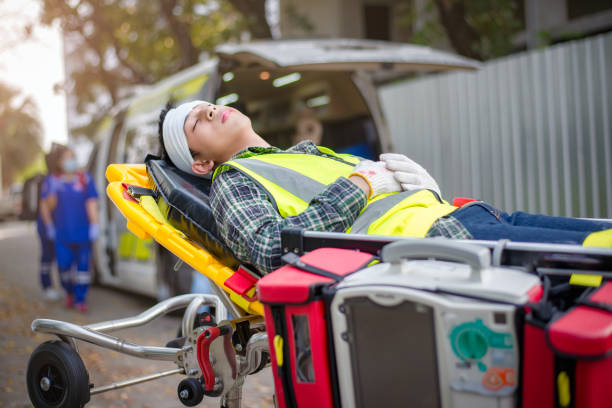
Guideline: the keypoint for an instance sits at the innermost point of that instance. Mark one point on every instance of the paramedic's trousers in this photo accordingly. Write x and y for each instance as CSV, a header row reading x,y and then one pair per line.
x,y
485,222
75,283
47,255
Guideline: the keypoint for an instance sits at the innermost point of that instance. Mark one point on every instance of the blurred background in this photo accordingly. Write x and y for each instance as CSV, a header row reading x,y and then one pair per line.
x,y
515,109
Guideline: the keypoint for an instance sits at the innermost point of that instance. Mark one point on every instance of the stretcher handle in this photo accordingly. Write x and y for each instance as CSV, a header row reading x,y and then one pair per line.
x,y
203,353
476,256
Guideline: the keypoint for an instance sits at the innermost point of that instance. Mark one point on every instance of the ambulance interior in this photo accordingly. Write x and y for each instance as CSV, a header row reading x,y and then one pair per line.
x,y
287,106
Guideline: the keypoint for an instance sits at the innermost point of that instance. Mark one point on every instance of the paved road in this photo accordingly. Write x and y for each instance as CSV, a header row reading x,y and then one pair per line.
x,y
21,302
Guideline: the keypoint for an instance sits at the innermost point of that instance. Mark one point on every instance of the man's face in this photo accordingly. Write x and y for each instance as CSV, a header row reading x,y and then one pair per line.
x,y
213,131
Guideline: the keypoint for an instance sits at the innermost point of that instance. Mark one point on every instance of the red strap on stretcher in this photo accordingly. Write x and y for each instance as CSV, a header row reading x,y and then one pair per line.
x,y
460,201
241,282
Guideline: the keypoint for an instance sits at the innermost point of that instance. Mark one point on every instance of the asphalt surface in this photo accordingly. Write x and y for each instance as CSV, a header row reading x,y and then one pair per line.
x,y
21,302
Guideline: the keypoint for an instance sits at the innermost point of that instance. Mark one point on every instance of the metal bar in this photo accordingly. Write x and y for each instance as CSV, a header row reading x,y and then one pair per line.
x,y
136,380
592,128
235,311
539,115
104,340
549,89
494,128
563,101
515,126
505,149
160,309
579,136
604,78
514,253
473,136
195,304
256,346
527,121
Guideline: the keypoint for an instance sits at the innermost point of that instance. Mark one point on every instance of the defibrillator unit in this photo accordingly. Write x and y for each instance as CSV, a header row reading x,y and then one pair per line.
x,y
430,332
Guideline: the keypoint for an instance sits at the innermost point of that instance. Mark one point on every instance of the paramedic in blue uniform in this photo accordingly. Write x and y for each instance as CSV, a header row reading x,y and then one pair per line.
x,y
47,247
72,199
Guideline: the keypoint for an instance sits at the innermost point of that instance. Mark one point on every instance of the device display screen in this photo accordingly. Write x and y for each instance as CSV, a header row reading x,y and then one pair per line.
x,y
393,354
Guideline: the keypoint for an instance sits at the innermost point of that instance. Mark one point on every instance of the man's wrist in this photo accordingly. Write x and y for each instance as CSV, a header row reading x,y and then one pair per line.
x,y
362,183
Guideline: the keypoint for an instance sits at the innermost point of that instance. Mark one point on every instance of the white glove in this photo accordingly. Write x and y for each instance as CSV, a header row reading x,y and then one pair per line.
x,y
409,173
378,177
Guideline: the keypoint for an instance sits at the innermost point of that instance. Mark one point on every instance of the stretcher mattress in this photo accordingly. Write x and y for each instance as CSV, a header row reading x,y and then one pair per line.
x,y
148,224
184,200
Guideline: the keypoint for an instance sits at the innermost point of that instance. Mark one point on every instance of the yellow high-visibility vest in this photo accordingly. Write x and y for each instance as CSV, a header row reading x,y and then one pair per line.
x,y
292,180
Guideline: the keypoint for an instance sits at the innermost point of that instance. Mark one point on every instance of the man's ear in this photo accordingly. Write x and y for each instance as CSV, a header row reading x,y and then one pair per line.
x,y
202,166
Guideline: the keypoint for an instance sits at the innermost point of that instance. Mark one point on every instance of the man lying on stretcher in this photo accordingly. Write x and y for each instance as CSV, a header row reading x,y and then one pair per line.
x,y
257,190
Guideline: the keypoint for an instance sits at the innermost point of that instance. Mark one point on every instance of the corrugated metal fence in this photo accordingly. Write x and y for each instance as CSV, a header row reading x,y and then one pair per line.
x,y
530,132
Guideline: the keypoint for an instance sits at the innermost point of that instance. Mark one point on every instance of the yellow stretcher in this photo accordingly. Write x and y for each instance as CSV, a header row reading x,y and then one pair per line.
x,y
144,222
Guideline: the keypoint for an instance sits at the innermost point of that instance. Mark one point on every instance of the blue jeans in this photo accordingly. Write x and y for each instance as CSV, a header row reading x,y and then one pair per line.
x,y
485,222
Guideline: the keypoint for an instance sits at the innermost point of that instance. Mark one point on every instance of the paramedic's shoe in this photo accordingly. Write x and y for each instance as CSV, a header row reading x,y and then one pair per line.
x,y
69,301
81,307
51,294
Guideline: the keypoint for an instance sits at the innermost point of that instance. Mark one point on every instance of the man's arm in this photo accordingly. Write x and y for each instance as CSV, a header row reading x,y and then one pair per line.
x,y
250,225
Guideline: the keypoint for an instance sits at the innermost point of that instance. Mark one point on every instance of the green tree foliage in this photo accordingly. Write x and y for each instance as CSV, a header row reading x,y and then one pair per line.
x,y
114,44
480,29
20,133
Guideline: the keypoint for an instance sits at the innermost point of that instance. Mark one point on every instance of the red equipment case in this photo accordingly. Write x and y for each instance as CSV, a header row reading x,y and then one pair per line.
x,y
568,363
297,325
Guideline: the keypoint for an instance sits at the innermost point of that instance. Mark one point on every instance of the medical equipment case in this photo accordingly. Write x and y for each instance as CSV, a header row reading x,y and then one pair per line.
x,y
297,324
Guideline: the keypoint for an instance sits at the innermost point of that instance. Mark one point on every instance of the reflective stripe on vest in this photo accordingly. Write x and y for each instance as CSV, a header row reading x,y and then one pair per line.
x,y
376,209
292,180
295,183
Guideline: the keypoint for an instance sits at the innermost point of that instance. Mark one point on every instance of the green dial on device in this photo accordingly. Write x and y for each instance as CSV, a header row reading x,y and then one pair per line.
x,y
471,340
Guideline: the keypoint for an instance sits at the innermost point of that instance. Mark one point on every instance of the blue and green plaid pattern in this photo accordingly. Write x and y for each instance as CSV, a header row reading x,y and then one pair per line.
x,y
250,225
448,227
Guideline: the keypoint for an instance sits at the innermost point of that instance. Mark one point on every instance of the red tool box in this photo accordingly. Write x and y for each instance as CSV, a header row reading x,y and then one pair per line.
x,y
296,322
568,362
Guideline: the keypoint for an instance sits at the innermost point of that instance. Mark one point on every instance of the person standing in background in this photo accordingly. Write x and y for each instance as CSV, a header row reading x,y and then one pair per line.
x,y
47,247
70,215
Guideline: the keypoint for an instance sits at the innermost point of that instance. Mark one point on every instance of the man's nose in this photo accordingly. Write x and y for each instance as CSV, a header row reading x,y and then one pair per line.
x,y
211,111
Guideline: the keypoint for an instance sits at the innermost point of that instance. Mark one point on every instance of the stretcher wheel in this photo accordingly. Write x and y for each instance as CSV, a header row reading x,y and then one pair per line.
x,y
56,377
190,392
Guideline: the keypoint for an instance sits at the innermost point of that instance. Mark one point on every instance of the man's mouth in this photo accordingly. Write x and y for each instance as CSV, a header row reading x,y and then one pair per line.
x,y
225,114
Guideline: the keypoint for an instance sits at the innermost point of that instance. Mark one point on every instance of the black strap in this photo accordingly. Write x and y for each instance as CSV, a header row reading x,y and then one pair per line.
x,y
294,260
137,192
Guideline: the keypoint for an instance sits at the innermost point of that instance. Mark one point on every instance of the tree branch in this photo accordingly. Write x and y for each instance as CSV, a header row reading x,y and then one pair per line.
x,y
254,11
189,54
461,35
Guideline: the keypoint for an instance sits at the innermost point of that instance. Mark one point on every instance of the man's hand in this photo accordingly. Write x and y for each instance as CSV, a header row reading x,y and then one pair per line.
x,y
94,231
409,173
50,231
379,179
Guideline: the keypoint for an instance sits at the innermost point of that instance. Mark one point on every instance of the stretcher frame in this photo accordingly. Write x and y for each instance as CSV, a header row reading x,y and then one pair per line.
x,y
537,258
244,309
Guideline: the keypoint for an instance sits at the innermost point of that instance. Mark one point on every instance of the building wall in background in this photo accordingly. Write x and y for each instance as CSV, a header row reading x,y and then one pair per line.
x,y
528,132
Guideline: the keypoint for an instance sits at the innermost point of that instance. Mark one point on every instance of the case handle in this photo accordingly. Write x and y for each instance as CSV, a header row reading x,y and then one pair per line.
x,y
476,256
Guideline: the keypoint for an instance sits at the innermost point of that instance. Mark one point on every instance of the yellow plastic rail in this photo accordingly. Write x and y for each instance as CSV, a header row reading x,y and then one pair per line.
x,y
144,225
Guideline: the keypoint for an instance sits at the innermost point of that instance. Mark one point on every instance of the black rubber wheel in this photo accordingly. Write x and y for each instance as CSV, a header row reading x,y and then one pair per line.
x,y
56,377
190,392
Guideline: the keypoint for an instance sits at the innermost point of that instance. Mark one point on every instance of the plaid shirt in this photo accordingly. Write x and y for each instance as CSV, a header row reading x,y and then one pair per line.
x,y
250,225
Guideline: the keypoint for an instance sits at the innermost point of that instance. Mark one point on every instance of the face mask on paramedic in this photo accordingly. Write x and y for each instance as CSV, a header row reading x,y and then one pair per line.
x,y
70,165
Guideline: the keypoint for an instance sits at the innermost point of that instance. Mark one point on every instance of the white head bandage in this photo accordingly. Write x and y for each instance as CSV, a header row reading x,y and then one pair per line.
x,y
175,140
